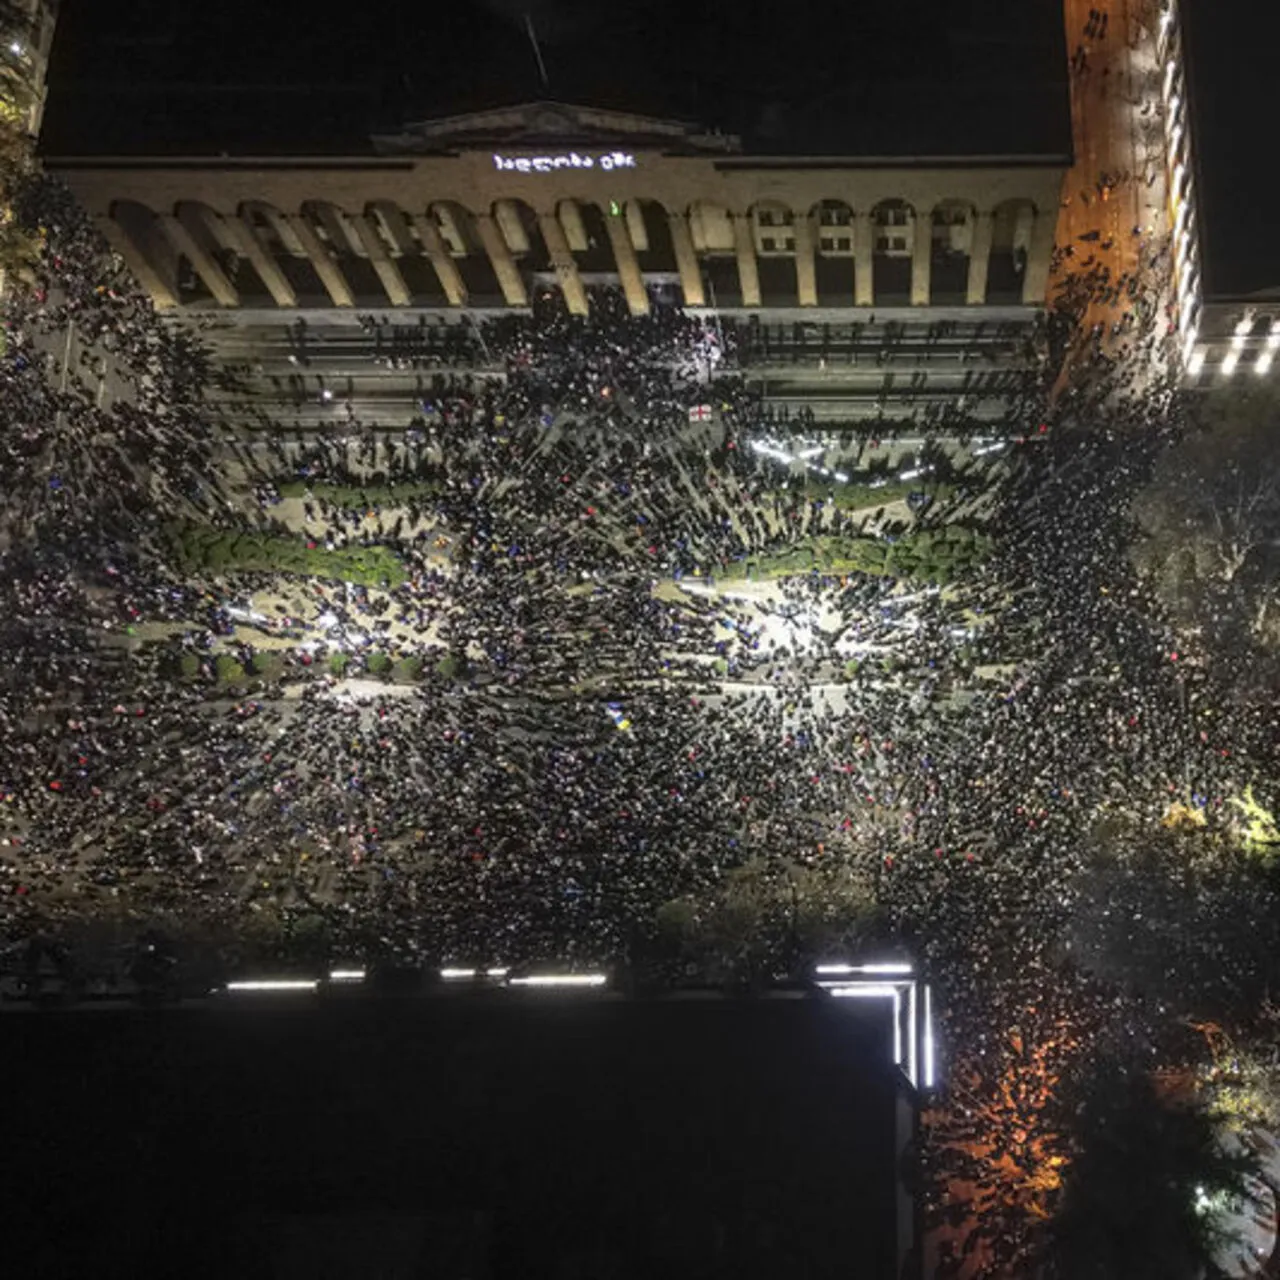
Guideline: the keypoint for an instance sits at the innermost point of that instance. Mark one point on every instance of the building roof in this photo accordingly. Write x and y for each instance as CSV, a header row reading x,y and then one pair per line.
x,y
747,1138
956,78
1229,60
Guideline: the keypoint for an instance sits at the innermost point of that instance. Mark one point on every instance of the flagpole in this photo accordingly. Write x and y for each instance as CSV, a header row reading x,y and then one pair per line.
x,y
537,52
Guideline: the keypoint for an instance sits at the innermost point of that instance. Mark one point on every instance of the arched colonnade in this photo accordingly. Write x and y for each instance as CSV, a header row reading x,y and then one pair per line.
x,y
445,254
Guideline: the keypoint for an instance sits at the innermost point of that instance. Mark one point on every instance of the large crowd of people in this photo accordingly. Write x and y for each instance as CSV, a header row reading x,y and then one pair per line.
x,y
626,715
957,737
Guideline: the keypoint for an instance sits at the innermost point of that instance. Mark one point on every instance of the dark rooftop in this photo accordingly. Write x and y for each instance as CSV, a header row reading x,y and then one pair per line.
x,y
1230,60
484,1136
941,77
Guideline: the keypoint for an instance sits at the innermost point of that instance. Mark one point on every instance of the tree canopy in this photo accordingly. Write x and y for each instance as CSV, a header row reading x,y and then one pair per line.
x,y
1209,520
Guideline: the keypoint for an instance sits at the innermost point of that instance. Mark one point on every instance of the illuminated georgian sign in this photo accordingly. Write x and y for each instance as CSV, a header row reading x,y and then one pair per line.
x,y
606,160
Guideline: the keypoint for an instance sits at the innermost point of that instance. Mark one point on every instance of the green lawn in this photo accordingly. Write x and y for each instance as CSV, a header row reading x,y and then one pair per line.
x,y
360,497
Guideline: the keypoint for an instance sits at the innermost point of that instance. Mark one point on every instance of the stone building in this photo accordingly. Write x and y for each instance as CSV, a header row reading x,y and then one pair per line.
x,y
475,210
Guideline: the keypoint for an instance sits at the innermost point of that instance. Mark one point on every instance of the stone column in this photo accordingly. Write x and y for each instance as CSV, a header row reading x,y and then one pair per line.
x,y
393,282
979,260
922,259
326,266
686,260
562,260
806,277
441,260
748,269
1036,279
864,261
243,238
224,292
162,290
504,265
624,254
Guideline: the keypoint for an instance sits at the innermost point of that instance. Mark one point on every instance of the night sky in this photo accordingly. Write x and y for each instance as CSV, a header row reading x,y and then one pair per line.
x,y
166,75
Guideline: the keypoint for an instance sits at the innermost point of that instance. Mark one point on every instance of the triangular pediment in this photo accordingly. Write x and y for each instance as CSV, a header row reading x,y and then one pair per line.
x,y
534,124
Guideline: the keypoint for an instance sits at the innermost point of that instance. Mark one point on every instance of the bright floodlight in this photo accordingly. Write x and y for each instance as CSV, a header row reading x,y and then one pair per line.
x,y
1229,364
1263,364
496,973
561,980
457,973
1196,363
833,968
346,975
275,984
865,991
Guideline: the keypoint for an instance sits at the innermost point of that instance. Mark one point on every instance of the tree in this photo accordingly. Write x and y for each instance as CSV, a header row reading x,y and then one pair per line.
x,y
1147,1185
1183,917
1209,520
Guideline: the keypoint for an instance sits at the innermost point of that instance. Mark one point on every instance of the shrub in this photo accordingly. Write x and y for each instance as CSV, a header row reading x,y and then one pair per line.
x,y
377,664
408,670
228,670
268,664
338,663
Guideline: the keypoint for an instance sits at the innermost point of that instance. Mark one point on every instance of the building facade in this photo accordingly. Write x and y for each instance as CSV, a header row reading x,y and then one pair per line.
x,y
473,211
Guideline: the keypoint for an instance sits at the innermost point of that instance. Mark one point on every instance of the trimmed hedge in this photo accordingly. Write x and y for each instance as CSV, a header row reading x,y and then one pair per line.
x,y
929,555
203,547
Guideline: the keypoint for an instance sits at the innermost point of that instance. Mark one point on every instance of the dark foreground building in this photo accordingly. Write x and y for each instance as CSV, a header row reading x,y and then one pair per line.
x,y
1217,83
474,1138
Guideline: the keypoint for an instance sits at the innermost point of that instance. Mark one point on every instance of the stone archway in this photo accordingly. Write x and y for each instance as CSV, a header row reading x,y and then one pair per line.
x,y
893,226
1012,225
834,263
951,232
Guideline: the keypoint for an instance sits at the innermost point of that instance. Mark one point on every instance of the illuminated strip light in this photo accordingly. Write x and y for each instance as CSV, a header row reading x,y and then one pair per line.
x,y
897,1027
449,975
1229,364
929,1069
883,967
346,975
865,991
496,973
812,453
913,1071
1263,364
275,984
561,980
1170,71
